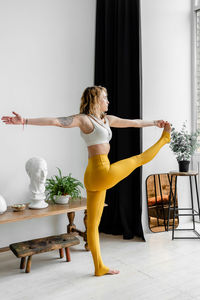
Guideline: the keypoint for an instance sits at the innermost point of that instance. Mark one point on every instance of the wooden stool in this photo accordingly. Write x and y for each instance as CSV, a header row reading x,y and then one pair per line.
x,y
50,243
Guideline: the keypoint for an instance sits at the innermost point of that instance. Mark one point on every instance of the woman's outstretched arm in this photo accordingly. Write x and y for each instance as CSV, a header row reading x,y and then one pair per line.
x,y
66,122
124,123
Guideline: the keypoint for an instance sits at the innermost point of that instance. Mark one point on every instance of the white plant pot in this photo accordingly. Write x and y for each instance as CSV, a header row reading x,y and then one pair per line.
x,y
62,199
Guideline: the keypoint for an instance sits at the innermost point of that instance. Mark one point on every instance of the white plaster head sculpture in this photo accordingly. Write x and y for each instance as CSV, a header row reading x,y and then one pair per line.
x,y
36,168
3,205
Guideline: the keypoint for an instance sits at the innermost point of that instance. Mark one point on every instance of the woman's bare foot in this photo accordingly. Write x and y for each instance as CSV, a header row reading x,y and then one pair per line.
x,y
166,132
167,127
112,272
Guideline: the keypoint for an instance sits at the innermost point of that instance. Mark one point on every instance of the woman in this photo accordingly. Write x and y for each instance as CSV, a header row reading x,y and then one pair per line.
x,y
99,176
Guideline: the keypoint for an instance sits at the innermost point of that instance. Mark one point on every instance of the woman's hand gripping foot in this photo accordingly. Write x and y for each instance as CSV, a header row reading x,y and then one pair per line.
x,y
166,132
167,127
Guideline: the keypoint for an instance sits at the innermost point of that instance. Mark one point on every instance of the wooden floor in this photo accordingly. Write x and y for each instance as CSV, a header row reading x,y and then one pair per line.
x,y
156,269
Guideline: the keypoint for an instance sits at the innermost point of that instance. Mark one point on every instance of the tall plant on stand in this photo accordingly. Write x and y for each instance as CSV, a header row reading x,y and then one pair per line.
x,y
183,146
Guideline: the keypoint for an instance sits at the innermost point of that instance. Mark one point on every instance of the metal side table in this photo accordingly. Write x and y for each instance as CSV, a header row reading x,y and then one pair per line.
x,y
172,204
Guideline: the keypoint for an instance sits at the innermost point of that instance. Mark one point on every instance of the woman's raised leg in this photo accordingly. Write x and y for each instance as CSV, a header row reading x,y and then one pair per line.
x,y
123,168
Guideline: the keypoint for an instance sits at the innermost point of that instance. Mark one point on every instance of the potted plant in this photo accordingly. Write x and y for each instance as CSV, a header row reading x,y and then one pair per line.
x,y
183,145
60,188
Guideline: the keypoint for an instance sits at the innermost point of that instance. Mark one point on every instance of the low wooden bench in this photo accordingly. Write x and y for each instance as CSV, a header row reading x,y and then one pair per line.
x,y
36,246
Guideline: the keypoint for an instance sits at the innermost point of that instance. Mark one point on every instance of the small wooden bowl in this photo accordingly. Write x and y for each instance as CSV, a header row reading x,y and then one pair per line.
x,y
18,207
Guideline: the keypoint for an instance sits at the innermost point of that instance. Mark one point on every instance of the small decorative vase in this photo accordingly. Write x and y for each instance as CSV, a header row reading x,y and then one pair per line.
x,y
3,205
62,199
183,165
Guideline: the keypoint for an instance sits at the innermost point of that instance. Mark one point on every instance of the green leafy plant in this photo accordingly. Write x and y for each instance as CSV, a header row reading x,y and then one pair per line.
x,y
183,144
63,185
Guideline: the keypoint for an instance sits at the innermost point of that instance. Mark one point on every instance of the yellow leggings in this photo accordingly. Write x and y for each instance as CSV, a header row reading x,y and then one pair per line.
x,y
100,176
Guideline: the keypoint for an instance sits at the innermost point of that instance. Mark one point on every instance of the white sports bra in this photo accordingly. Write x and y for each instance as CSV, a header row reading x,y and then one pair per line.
x,y
101,133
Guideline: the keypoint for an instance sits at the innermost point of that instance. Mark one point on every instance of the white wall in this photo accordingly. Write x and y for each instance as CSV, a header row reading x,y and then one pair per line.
x,y
166,55
46,60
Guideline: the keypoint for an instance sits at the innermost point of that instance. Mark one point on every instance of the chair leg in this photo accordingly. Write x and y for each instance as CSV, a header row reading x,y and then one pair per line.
x,y
68,258
170,200
192,202
28,265
23,263
61,252
197,193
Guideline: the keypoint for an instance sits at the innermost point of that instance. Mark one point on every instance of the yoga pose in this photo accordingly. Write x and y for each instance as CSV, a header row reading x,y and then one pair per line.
x,y
99,176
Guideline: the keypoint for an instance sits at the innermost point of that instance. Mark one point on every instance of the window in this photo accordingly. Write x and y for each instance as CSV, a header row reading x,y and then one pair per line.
x,y
196,79
197,75
196,71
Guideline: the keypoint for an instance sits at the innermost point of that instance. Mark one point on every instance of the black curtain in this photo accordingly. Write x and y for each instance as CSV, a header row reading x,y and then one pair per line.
x,y
118,68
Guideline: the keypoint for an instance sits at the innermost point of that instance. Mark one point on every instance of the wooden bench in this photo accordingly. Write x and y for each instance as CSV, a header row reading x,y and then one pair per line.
x,y
36,246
